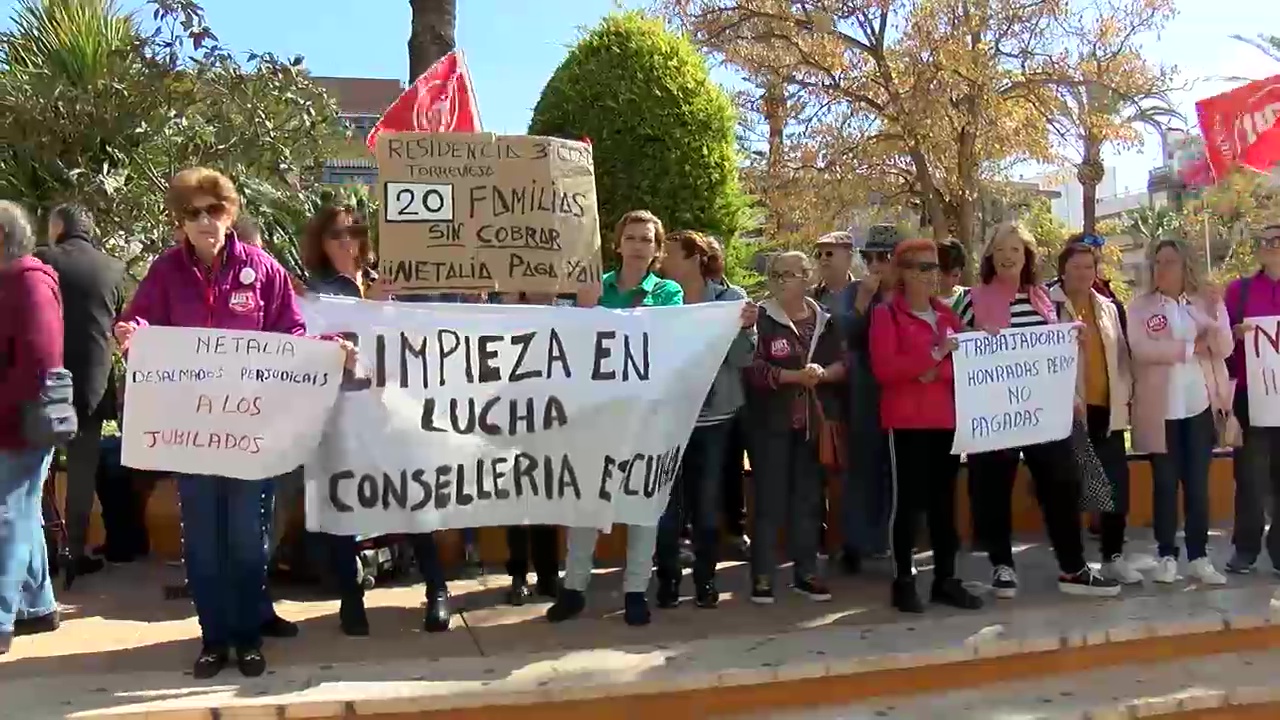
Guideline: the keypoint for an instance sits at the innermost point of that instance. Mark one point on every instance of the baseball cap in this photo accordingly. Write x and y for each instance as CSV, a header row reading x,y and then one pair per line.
x,y
839,237
881,238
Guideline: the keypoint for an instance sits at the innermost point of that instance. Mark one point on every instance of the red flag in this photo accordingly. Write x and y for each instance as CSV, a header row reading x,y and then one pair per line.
x,y
440,100
1264,153
1234,120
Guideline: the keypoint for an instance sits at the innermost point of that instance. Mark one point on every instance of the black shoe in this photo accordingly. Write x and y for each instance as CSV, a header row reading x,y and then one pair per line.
x,y
953,592
762,591
277,627
352,618
635,609
519,593
1005,581
36,625
705,595
812,588
547,588
669,593
209,663
250,662
904,597
851,562
1088,582
87,565
438,616
115,555
567,606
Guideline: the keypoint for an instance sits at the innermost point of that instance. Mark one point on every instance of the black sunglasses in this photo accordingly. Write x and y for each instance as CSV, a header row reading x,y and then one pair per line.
x,y
923,266
872,256
215,211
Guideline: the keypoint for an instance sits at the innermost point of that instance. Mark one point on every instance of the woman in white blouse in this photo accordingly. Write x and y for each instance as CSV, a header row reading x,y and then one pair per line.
x,y
1179,336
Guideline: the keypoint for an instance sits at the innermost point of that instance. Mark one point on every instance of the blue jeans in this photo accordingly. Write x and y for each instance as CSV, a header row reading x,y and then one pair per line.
x,y
701,474
25,589
868,491
1188,452
224,550
345,569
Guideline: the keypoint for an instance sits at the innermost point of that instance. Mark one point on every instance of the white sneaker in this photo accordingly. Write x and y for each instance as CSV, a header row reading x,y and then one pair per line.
x,y
1166,570
1204,571
1118,569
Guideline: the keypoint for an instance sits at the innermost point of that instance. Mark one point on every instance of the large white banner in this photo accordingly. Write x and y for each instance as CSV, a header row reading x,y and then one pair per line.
x,y
1261,361
480,415
1014,389
233,403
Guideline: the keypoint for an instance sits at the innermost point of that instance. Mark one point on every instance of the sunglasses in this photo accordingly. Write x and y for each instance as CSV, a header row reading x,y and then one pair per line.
x,y
350,232
1093,241
826,253
215,211
787,276
923,266
874,256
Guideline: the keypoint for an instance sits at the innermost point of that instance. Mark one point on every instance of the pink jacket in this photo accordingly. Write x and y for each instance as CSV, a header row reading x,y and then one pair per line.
x,y
1155,351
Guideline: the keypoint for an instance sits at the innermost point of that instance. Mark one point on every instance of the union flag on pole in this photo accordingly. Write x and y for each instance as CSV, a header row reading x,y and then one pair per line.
x,y
440,100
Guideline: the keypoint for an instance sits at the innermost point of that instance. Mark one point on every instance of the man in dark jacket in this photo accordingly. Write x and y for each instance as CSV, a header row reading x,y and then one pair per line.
x,y
92,285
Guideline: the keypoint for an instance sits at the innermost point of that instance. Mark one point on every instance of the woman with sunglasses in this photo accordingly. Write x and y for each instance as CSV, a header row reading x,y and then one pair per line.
x,y
1010,296
912,338
1257,460
211,279
338,258
793,384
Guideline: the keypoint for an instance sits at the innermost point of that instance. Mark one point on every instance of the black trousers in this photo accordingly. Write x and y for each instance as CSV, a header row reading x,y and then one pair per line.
x,y
733,497
539,541
924,484
1052,467
1109,447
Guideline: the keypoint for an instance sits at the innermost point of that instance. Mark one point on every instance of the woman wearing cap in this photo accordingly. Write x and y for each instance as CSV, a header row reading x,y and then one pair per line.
x,y
912,338
1009,296
1180,338
211,279
1103,389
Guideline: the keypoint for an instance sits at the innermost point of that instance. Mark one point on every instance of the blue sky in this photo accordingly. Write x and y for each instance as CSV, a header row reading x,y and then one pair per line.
x,y
513,46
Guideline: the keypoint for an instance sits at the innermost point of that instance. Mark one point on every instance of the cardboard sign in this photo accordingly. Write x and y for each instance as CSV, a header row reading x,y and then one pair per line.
x,y
1261,361
478,211
490,415
232,403
1016,388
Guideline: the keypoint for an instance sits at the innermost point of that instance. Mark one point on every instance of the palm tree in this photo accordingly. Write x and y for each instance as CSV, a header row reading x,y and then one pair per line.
x,y
1149,223
432,33
73,42
1267,44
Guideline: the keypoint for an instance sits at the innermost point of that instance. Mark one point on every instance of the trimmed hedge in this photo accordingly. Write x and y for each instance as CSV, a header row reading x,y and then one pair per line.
x,y
663,133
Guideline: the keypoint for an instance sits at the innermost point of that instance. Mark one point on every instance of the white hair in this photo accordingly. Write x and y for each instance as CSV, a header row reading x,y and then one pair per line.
x,y
16,237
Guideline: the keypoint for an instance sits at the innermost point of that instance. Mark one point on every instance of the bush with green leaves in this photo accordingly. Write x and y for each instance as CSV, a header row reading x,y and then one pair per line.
x,y
661,130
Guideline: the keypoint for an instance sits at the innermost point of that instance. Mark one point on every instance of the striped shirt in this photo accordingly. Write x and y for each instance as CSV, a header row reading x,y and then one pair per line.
x,y
1021,312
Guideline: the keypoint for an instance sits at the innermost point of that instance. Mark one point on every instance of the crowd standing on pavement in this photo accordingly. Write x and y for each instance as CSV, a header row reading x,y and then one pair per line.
x,y
839,388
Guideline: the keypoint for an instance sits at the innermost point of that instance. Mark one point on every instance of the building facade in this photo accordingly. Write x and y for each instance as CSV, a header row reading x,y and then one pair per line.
x,y
361,102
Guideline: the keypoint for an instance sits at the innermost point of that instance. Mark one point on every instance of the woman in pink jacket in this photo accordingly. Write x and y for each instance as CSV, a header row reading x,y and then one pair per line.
x,y
1180,337
912,338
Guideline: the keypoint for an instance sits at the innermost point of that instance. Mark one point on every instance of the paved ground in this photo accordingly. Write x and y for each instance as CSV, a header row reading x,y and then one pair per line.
x,y
118,621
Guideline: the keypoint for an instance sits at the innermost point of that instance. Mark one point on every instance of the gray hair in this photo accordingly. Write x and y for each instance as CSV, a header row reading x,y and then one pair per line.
x,y
16,237
75,219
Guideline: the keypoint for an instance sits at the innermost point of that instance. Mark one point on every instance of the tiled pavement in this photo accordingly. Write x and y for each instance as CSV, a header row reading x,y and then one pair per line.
x,y
122,646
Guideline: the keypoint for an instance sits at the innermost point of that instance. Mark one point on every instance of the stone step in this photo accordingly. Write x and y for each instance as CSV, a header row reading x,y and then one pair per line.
x,y
824,666
1181,688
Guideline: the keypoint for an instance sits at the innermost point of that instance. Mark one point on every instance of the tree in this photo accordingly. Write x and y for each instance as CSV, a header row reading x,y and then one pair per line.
x,y
1269,45
431,36
1108,92
1150,223
99,113
662,132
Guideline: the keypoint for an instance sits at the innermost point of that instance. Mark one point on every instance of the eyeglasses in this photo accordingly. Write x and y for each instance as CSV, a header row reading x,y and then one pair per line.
x,y
785,276
1093,241
923,266
874,256
215,211
825,253
349,232
1269,241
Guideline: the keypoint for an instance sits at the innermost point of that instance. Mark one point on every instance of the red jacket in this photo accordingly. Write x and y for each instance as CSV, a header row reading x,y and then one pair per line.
x,y
902,346
30,340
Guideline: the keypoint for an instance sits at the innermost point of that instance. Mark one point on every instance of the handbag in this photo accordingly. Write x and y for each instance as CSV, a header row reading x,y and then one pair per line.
x,y
50,420
1097,494
831,435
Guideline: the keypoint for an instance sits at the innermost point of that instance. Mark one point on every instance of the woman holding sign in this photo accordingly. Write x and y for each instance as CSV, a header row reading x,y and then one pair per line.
x,y
912,338
1010,296
211,279
1180,338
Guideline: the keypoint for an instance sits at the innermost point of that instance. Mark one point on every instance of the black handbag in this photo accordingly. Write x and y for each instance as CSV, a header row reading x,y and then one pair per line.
x,y
1097,494
50,420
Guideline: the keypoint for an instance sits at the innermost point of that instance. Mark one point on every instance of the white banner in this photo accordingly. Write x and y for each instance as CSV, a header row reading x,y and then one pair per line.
x,y
1261,360
234,403
483,415
1014,389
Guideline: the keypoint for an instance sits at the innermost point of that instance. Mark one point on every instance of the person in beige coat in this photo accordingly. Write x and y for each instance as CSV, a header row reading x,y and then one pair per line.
x,y
1180,337
1104,386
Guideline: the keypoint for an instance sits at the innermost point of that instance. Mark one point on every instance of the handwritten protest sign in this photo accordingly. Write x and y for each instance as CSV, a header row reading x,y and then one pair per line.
x,y
478,211
233,403
474,416
1014,389
1261,361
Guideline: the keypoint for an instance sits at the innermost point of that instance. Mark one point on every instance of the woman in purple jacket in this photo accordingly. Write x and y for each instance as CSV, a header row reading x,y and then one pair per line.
x,y
211,279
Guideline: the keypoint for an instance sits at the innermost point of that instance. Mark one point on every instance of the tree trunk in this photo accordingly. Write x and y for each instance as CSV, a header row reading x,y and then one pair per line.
x,y
1090,173
774,106
431,36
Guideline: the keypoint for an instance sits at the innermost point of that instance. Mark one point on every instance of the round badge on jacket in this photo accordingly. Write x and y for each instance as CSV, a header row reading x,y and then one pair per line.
x,y
247,276
1156,323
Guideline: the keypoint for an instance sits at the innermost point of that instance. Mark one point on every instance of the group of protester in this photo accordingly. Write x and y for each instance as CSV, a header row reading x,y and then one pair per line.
x,y
839,385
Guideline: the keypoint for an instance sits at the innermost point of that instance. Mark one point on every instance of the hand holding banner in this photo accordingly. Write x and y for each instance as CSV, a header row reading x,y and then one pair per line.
x,y
233,403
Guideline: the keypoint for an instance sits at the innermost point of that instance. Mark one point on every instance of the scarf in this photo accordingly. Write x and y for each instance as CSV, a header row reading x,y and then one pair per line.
x,y
991,303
